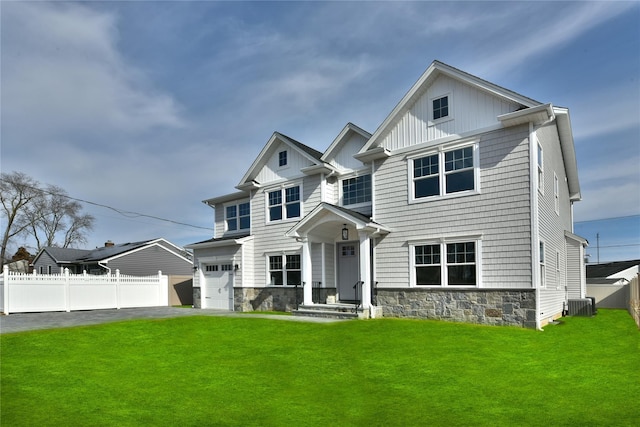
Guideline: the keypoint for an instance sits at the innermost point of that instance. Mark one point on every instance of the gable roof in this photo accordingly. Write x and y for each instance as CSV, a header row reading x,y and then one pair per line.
x,y
342,137
248,180
435,70
610,268
84,256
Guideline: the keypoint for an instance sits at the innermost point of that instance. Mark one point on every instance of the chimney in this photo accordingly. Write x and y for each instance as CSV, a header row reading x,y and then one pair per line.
x,y
108,244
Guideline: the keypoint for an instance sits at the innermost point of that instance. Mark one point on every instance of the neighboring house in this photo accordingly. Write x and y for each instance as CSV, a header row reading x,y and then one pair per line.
x,y
612,273
458,207
135,259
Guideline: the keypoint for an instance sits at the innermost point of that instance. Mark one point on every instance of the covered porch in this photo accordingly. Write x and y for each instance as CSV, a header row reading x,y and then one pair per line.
x,y
348,235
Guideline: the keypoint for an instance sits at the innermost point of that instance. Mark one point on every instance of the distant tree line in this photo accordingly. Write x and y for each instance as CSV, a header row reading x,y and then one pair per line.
x,y
42,213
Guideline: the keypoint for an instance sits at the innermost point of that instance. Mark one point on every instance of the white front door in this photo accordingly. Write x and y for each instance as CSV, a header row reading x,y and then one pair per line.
x,y
218,286
348,271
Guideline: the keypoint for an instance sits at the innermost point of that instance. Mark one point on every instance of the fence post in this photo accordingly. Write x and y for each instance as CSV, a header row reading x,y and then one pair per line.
x,y
5,272
67,290
163,289
117,288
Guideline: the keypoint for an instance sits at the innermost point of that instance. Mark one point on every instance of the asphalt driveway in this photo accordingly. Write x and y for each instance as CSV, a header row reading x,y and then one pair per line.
x,y
20,322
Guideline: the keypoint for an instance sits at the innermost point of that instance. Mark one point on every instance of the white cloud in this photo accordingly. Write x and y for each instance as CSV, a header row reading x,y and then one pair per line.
x,y
62,73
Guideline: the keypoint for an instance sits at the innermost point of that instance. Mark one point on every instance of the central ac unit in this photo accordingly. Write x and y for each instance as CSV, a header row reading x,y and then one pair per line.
x,y
581,307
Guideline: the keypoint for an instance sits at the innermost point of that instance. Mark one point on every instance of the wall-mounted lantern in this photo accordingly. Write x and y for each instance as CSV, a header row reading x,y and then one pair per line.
x,y
345,232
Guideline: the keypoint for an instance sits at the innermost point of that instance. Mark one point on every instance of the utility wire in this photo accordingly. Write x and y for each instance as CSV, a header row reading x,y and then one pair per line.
x,y
127,214
607,219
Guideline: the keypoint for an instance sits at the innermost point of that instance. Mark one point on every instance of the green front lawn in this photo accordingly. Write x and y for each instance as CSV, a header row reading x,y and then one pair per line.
x,y
202,371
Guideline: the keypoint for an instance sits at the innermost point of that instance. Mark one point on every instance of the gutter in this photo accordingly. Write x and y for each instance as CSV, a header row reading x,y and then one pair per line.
x,y
105,267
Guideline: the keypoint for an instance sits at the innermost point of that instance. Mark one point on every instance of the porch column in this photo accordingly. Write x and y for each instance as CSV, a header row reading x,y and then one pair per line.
x,y
307,287
365,268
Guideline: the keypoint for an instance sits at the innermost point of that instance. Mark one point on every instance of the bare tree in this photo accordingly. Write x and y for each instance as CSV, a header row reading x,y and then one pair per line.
x,y
17,190
48,214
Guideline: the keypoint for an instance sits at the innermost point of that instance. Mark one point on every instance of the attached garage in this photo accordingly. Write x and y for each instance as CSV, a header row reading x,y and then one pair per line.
x,y
217,289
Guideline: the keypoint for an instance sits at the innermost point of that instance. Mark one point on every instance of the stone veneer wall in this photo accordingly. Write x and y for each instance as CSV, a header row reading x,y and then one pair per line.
x,y
506,307
274,298
197,298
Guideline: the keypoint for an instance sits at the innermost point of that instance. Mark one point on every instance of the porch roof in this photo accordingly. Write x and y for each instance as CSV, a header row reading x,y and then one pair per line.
x,y
322,219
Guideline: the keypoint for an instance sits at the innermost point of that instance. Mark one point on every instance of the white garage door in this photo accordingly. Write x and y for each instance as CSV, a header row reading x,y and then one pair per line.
x,y
218,287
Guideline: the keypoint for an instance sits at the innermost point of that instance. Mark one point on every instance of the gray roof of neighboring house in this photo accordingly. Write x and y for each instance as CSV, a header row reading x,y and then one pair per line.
x,y
609,268
65,255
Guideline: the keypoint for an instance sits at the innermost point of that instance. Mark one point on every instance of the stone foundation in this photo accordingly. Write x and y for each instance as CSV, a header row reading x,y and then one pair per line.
x,y
275,298
197,298
504,307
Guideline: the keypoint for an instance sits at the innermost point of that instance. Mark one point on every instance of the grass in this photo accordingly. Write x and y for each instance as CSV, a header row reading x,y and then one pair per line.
x,y
218,371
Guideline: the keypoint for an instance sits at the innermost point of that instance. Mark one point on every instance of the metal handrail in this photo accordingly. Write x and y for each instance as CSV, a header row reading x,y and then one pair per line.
x,y
358,299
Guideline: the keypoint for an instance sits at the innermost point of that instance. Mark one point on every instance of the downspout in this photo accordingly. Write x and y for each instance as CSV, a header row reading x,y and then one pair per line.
x,y
535,232
105,267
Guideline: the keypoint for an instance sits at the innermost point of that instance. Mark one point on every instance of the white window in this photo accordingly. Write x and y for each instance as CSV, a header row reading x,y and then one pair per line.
x,y
440,107
211,267
443,173
282,158
284,203
543,281
356,190
238,217
285,269
446,264
540,169
556,193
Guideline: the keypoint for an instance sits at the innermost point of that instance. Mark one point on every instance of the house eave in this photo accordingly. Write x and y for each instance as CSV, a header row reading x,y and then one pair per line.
x,y
218,243
226,198
376,153
320,168
536,115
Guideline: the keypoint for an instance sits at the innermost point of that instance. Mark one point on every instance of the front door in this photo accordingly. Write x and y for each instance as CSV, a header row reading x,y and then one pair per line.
x,y
348,271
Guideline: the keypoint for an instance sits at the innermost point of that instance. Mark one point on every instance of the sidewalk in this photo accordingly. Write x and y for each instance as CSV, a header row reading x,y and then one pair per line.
x,y
20,322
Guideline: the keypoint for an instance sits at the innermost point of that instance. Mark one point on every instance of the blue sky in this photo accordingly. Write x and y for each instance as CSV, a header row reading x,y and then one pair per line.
x,y
151,107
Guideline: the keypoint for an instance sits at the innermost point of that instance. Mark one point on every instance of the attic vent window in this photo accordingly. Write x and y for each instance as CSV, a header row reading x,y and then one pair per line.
x,y
282,158
440,107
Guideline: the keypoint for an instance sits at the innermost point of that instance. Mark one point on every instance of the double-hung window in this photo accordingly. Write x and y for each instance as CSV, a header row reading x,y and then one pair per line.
x,y
238,217
356,190
556,193
446,172
445,264
285,269
543,273
282,158
284,203
540,169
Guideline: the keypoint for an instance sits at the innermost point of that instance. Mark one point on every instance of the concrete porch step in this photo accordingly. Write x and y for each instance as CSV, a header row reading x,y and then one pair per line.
x,y
333,311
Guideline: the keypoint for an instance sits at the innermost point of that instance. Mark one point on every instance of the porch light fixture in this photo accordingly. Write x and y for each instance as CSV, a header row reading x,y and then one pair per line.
x,y
195,268
345,232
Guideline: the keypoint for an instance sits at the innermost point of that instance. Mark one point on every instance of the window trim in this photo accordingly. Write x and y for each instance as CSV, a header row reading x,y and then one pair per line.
x,y
431,121
355,176
284,270
282,188
237,204
444,278
441,151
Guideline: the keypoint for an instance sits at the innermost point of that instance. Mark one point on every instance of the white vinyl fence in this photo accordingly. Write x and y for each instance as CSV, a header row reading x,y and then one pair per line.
x,y
21,293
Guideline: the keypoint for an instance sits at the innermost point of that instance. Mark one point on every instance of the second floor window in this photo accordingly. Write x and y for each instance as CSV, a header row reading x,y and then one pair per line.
x,y
431,179
356,190
284,203
238,217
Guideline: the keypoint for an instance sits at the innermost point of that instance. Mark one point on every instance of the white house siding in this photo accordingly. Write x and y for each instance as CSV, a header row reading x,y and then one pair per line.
x,y
470,109
273,172
343,159
270,238
501,214
576,288
553,225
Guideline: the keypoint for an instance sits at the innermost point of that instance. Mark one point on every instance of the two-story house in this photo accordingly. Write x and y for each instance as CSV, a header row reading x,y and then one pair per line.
x,y
458,207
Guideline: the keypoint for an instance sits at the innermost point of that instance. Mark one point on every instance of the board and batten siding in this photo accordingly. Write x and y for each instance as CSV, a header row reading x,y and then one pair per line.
x,y
552,225
272,171
469,108
343,159
149,260
500,213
